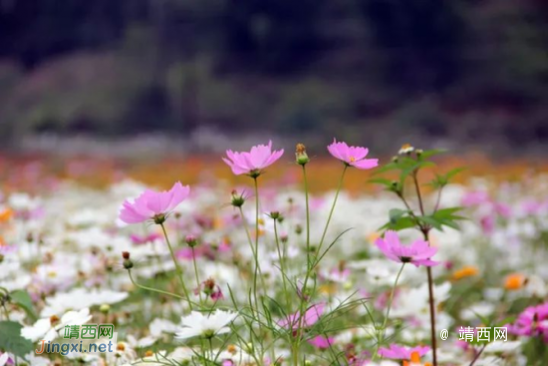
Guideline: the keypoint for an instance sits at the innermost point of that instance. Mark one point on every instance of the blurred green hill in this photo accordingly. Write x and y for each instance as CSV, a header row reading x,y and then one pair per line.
x,y
466,70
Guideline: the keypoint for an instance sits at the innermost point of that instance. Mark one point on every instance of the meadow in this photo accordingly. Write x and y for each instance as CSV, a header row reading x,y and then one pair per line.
x,y
272,257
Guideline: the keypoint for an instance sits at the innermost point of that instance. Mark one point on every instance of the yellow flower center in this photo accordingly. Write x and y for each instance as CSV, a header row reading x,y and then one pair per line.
x,y
352,159
232,349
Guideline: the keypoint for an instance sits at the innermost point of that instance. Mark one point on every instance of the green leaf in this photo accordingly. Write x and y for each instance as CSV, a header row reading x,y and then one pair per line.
x,y
382,181
431,221
11,340
386,168
428,153
402,223
450,174
23,300
446,212
396,213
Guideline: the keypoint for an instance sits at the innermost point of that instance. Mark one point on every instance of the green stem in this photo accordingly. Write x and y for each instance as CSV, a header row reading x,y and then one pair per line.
x,y
258,272
304,301
307,218
177,266
196,274
431,302
251,246
151,288
332,208
390,300
282,266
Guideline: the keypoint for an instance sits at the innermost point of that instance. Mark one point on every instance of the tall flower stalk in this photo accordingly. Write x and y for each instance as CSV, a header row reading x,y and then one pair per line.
x,y
408,163
156,206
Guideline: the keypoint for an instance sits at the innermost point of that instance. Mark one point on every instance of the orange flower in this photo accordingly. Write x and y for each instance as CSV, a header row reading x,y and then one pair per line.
x,y
466,271
515,281
6,215
415,360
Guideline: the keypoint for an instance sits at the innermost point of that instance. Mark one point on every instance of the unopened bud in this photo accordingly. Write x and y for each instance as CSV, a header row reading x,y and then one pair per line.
x,y
159,219
300,155
128,264
238,200
191,241
125,255
105,308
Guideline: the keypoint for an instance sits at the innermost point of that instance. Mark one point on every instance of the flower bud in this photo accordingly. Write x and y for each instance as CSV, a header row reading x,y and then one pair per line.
x,y
159,219
125,255
191,241
238,200
300,155
128,264
275,215
105,308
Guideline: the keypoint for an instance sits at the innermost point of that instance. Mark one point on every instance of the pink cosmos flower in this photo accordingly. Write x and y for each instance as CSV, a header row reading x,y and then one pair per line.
x,y
402,353
153,205
532,322
321,342
352,155
252,162
140,240
311,316
418,253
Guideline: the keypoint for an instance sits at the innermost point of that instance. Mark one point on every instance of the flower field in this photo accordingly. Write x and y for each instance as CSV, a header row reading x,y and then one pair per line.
x,y
273,257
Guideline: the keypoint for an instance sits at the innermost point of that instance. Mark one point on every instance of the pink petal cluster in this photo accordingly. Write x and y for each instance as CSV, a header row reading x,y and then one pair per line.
x,y
418,253
322,342
253,161
150,204
311,316
352,155
402,353
532,322
140,240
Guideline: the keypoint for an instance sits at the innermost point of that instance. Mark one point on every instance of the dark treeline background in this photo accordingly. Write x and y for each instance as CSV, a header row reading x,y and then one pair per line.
x,y
468,70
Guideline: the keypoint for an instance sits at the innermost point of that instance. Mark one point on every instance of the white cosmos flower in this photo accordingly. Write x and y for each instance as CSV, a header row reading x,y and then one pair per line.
x,y
198,324
48,328
80,298
4,359
503,347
